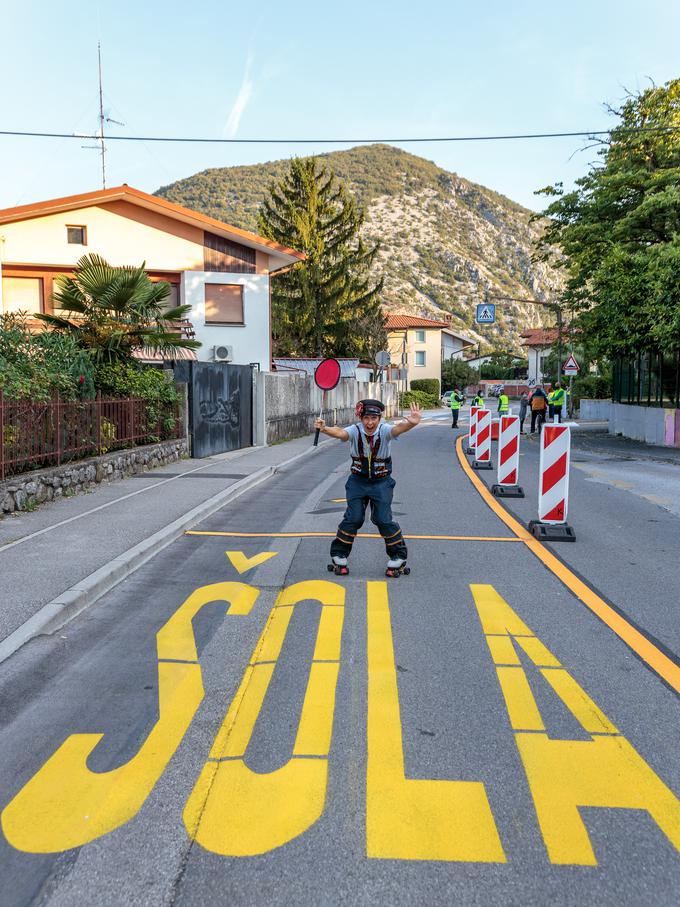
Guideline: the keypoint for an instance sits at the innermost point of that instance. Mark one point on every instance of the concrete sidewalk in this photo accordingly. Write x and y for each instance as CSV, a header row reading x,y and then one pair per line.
x,y
59,559
594,437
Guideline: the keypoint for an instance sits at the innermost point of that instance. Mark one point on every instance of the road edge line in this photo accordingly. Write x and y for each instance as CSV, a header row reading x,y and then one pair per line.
x,y
60,610
660,663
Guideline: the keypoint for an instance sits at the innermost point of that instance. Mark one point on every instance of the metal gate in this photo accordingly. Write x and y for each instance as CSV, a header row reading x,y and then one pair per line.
x,y
220,406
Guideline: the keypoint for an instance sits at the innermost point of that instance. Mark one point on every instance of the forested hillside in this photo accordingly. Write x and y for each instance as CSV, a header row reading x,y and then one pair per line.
x,y
444,240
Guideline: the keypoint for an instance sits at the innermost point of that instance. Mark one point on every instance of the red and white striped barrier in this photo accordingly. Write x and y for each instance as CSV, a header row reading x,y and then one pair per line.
x,y
508,459
472,434
553,485
483,441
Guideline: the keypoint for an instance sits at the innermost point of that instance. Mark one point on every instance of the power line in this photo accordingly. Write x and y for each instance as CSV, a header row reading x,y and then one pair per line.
x,y
355,141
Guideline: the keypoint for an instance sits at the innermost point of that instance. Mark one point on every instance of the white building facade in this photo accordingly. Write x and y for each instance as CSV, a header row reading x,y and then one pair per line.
x,y
224,273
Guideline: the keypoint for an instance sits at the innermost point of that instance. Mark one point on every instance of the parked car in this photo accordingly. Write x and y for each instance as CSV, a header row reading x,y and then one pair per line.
x,y
446,398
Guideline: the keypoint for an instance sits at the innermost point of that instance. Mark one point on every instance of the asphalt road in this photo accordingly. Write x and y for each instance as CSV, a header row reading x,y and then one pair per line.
x,y
472,733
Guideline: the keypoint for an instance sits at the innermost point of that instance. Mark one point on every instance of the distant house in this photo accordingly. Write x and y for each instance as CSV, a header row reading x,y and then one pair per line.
x,y
292,366
539,342
223,272
421,344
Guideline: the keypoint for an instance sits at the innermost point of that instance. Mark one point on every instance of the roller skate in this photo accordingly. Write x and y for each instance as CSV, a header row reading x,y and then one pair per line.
x,y
396,566
338,566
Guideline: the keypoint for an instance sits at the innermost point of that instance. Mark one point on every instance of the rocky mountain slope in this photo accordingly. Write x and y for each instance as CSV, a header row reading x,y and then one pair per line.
x,y
445,241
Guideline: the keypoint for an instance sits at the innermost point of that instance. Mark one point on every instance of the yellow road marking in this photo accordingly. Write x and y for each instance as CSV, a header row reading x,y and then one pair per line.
x,y
235,811
331,535
519,701
502,650
567,775
581,706
65,804
652,655
243,563
413,819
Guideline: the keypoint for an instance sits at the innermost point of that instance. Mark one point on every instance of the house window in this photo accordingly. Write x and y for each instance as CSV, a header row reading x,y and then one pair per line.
x,y
77,235
22,294
223,303
420,357
420,337
172,301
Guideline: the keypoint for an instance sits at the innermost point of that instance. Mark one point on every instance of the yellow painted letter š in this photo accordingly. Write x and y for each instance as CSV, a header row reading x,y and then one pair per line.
x,y
65,804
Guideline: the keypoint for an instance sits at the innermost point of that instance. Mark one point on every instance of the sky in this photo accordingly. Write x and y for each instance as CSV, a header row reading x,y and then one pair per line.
x,y
351,71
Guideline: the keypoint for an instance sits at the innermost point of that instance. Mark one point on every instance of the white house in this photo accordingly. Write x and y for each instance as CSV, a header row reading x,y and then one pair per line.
x,y
420,345
539,342
223,272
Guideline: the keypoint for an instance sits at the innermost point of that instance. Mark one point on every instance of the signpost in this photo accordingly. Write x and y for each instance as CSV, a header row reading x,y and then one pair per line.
x,y
571,366
486,313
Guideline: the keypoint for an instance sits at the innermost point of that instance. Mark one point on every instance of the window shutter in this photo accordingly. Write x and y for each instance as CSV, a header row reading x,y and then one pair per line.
x,y
223,303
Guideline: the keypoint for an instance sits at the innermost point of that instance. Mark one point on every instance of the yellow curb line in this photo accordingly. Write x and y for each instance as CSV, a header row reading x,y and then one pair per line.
x,y
331,535
649,653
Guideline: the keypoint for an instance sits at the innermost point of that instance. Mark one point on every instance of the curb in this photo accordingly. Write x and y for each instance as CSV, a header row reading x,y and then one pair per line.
x,y
58,612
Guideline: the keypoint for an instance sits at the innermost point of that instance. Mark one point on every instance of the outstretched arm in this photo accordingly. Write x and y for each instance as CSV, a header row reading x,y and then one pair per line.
x,y
333,431
410,422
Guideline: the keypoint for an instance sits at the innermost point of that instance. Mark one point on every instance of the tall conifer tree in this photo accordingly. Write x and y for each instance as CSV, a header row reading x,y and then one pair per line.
x,y
320,304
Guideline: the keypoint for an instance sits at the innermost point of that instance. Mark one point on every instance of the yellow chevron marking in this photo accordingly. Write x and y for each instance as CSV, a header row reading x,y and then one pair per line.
x,y
243,563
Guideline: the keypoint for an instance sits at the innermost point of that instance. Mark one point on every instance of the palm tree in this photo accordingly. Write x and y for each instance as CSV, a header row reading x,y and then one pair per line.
x,y
113,311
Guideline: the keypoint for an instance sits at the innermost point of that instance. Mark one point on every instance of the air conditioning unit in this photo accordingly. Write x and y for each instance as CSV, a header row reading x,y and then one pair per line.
x,y
223,353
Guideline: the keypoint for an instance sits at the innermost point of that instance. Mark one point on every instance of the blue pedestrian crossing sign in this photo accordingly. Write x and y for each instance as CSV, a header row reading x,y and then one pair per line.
x,y
486,313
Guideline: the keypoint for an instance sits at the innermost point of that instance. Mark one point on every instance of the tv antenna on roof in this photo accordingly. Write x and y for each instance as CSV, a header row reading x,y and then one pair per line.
x,y
101,147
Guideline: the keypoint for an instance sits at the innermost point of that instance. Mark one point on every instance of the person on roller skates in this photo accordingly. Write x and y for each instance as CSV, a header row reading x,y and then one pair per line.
x,y
370,480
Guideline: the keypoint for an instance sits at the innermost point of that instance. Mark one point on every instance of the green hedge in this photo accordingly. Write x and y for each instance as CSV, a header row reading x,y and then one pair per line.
x,y
145,383
424,401
426,386
592,387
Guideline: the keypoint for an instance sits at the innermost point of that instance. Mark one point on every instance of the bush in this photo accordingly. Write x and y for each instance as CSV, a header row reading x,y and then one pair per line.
x,y
592,387
427,386
457,373
36,366
125,379
424,401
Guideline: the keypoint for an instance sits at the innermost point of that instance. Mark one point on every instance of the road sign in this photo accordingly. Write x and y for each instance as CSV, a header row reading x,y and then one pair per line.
x,y
486,313
571,366
382,358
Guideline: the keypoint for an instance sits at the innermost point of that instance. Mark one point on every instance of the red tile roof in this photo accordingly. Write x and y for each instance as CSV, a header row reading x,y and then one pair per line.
x,y
136,196
400,322
539,336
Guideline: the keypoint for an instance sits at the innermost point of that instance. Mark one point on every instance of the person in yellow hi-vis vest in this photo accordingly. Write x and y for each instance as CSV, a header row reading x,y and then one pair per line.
x,y
457,400
503,403
478,400
557,400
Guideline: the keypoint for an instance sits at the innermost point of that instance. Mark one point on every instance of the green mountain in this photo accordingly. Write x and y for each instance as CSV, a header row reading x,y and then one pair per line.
x,y
444,241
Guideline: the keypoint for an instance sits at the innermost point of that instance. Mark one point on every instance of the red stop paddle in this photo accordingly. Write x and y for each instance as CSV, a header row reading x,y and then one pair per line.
x,y
326,376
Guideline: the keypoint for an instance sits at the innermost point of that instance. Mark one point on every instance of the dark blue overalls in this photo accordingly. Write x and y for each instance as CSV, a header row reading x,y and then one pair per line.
x,y
370,481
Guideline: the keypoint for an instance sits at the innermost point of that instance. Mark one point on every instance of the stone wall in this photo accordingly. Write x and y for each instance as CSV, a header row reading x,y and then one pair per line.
x,y
287,405
26,491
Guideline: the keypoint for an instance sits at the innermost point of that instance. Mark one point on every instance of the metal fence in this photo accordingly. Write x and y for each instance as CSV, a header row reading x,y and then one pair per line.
x,y
648,379
34,435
